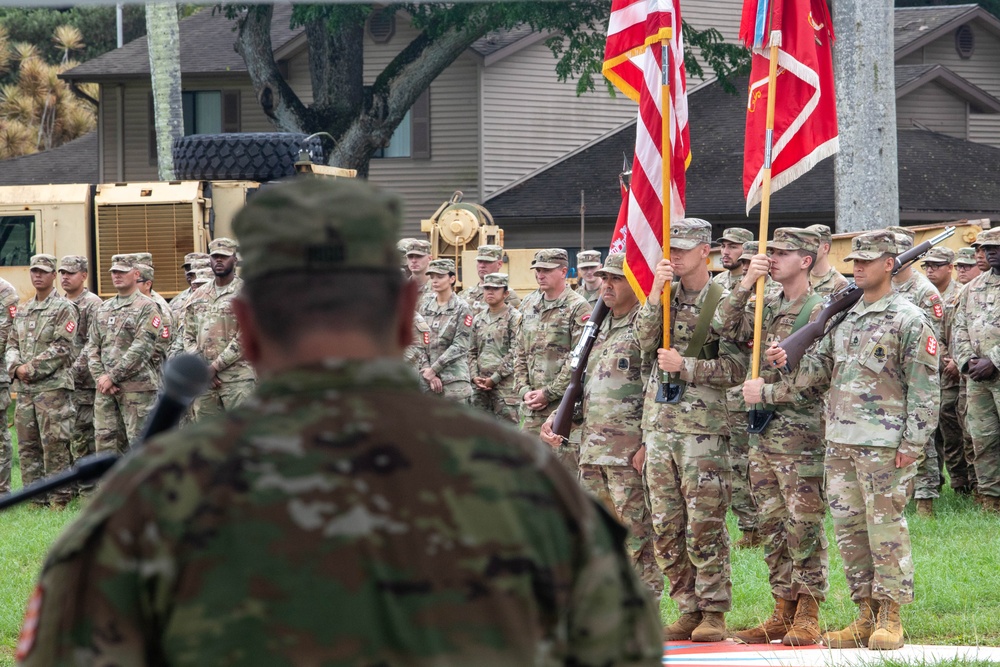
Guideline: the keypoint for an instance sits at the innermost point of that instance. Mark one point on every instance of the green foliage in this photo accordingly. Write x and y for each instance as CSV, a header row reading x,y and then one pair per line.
x,y
992,6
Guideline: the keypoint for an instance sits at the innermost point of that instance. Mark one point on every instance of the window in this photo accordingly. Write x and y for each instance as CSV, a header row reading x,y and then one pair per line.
x,y
202,112
412,138
399,145
17,239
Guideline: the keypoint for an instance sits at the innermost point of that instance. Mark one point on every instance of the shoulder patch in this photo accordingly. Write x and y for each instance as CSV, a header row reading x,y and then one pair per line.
x,y
427,338
29,628
938,310
165,333
932,346
71,326
468,320
12,309
585,318
157,321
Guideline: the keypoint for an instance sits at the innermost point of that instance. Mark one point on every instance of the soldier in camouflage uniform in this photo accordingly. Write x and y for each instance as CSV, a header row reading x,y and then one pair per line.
x,y
199,273
883,348
551,323
39,359
167,330
417,353
491,352
731,255
967,270
489,259
177,303
976,350
450,321
339,516
121,346
588,263
212,332
8,309
825,279
786,460
73,279
418,258
688,474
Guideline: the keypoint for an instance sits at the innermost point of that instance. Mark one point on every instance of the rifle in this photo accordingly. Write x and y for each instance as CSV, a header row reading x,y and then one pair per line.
x,y
839,304
578,364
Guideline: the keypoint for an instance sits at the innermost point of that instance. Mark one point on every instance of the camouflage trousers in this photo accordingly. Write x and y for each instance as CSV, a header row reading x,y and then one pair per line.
x,y
867,494
743,504
950,440
568,454
688,481
6,451
83,442
962,408
226,397
927,483
494,403
983,405
44,422
119,418
460,392
790,499
620,489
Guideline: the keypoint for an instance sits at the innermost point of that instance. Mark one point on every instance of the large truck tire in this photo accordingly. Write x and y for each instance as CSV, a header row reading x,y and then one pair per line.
x,y
243,156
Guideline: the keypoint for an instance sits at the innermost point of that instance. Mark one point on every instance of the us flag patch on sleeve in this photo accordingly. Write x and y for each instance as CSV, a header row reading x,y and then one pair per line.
x,y
468,320
932,345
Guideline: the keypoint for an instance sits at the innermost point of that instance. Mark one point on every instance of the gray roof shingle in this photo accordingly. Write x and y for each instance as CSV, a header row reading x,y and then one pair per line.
x,y
912,23
73,162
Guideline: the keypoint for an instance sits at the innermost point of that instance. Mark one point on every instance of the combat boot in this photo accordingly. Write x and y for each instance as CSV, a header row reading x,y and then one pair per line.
x,y
857,633
773,628
925,508
888,635
681,629
805,627
749,540
712,627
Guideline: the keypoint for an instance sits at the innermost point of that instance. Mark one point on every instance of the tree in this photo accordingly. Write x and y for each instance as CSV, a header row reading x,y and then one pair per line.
x,y
362,118
163,38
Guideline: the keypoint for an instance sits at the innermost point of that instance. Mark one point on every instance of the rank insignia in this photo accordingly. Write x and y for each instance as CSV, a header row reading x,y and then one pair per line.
x,y
623,364
880,353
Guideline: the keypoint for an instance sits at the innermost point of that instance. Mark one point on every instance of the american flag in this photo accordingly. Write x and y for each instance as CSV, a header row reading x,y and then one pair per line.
x,y
632,58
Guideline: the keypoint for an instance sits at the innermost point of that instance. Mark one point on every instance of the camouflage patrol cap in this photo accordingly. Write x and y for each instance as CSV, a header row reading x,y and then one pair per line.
x,y
614,265
966,257
791,238
321,225
989,237
690,233
825,235
872,245
749,250
588,259
443,266
143,258
905,235
736,235
44,262
223,246
192,256
122,263
199,264
418,247
496,280
145,271
940,256
73,263
489,253
550,258
202,276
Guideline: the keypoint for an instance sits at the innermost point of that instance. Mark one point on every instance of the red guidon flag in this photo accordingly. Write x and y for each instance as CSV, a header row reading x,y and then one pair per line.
x,y
632,58
621,229
805,119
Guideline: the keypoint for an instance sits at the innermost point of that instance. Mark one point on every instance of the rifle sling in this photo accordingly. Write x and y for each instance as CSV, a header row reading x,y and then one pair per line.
x,y
696,346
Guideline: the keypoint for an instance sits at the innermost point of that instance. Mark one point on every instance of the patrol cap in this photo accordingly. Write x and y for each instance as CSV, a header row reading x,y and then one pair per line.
x,y
792,238
736,235
319,224
202,276
223,246
940,256
906,237
690,233
489,253
987,237
614,265
588,259
872,245
550,258
966,257
496,280
122,263
144,258
44,262
418,247
825,234
192,256
443,266
749,250
199,264
73,263
145,271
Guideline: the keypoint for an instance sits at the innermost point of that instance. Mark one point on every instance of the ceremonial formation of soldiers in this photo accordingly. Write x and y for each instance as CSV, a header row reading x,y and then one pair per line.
x,y
86,372
903,388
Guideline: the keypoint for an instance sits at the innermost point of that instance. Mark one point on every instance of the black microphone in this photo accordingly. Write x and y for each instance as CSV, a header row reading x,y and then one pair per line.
x,y
185,377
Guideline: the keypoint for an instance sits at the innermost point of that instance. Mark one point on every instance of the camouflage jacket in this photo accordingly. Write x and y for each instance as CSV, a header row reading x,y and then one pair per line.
x,y
977,322
8,310
87,305
211,331
549,330
612,394
451,335
167,331
924,296
702,409
491,353
949,298
798,411
728,280
177,303
341,517
417,354
475,298
588,296
881,364
830,282
425,294
122,342
44,338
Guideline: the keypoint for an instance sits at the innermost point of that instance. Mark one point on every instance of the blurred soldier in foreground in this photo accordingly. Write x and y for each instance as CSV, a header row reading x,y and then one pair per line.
x,y
489,259
338,516
491,352
730,252
8,309
884,347
824,278
588,263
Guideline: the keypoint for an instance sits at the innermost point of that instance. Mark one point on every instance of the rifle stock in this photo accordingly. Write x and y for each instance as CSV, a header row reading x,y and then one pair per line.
x,y
578,363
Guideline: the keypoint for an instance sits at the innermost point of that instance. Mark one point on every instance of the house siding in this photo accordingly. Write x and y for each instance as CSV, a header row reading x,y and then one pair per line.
x,y
934,108
108,136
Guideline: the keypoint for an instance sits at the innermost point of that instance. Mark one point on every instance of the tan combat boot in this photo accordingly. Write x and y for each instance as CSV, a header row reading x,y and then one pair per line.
x,y
925,508
749,540
771,629
805,627
712,627
857,633
888,635
681,629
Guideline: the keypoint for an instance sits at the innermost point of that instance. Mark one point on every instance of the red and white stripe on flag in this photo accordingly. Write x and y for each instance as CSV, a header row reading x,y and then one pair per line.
x,y
805,119
632,58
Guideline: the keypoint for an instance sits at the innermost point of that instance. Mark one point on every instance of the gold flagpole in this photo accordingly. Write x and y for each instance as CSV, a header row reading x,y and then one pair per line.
x,y
665,188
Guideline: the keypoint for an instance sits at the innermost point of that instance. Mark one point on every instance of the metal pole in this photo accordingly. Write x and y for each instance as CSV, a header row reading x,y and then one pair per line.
x,y
583,212
119,21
